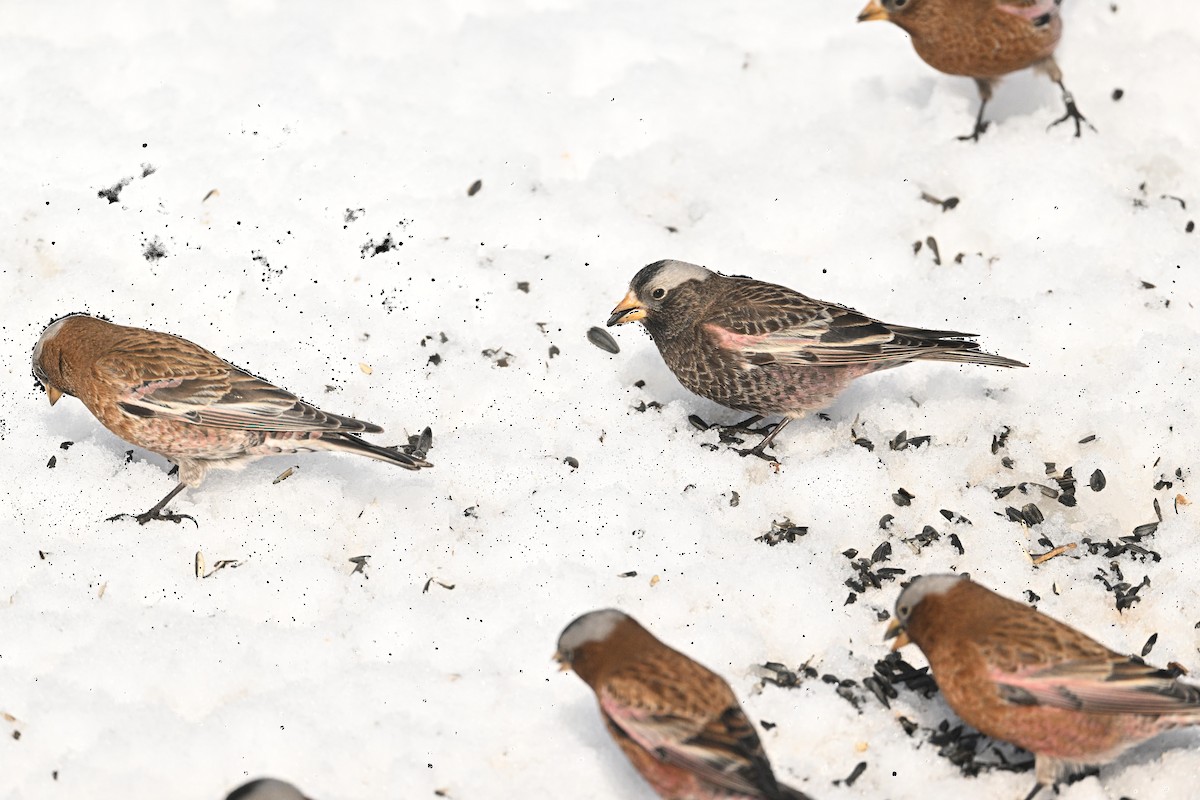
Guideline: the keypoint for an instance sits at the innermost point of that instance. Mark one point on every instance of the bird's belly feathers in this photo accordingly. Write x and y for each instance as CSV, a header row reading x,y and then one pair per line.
x,y
997,45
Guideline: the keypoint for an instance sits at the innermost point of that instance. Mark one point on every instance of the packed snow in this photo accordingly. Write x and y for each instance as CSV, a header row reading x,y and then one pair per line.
x,y
412,213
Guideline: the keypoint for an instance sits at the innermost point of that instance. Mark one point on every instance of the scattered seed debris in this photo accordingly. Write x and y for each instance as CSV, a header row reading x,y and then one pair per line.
x,y
1091,437
499,357
782,531
1056,551
113,193
1000,440
283,476
602,339
154,250
420,444
885,522
631,574
858,770
1117,94
902,441
366,368
932,244
474,188
571,462
360,565
52,463
1149,645
372,249
947,204
735,499
432,581
523,286
903,497
1097,481
786,678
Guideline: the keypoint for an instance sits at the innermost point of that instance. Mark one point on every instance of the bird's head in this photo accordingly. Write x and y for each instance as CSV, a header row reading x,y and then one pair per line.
x,y
655,289
908,604
589,643
891,10
50,368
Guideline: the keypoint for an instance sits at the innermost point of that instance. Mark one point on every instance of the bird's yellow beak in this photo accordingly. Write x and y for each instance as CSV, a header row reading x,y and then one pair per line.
x,y
563,663
630,309
53,394
896,631
872,11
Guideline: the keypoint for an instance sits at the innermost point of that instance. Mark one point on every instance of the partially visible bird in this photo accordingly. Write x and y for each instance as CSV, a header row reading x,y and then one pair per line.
x,y
678,723
984,40
1021,676
768,350
174,398
266,789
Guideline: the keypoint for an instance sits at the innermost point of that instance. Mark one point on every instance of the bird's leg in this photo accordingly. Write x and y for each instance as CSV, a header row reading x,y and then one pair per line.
x,y
1050,67
985,94
1072,112
758,449
157,511
1037,787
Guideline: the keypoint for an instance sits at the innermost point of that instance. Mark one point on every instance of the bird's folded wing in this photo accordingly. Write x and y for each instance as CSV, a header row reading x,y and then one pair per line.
x,y
188,384
724,751
1101,686
821,335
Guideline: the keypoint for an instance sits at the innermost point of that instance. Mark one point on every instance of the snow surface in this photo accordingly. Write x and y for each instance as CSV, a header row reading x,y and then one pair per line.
x,y
308,218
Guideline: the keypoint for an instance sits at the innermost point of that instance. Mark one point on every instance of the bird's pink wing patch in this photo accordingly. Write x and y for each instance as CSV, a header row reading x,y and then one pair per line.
x,y
1032,10
1100,687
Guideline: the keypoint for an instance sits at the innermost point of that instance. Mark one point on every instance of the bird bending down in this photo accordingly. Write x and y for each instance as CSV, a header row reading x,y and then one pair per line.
x,y
984,40
768,350
167,395
1018,675
678,723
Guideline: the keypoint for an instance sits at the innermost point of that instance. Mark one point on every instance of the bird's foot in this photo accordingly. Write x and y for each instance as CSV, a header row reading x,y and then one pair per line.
x,y
980,127
1072,113
155,514
758,451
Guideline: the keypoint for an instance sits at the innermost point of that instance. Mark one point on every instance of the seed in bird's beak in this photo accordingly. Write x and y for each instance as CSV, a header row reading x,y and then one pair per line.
x,y
630,309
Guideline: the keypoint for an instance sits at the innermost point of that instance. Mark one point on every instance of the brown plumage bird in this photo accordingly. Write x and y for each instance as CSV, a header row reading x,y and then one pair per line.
x,y
768,350
678,723
1018,675
174,398
984,40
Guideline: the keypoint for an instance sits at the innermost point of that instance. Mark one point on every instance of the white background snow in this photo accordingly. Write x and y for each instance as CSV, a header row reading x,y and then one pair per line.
x,y
778,139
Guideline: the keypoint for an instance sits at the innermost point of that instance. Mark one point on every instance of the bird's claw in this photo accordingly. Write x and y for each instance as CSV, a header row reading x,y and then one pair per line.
x,y
1072,113
759,452
980,128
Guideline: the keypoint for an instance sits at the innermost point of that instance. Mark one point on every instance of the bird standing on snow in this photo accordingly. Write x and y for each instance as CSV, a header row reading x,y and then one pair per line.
x,y
678,723
176,399
765,349
1018,675
266,789
982,39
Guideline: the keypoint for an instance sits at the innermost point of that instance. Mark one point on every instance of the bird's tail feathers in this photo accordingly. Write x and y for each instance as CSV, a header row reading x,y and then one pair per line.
x,y
788,793
968,353
349,443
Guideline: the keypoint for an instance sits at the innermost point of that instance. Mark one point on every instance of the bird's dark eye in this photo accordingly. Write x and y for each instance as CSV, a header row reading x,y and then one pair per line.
x,y
659,293
899,3
902,611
